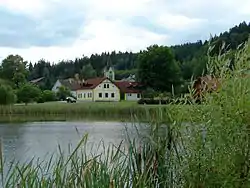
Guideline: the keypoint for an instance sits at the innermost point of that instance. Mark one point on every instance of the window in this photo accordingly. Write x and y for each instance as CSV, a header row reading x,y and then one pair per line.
x,y
112,95
100,95
106,95
79,96
138,95
84,95
90,95
129,94
107,85
104,85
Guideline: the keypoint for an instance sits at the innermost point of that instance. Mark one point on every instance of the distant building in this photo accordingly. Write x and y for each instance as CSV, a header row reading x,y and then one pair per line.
x,y
130,78
98,89
205,84
37,81
109,70
104,88
69,83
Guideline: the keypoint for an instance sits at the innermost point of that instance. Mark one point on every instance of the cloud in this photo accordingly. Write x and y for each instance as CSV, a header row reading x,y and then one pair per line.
x,y
62,29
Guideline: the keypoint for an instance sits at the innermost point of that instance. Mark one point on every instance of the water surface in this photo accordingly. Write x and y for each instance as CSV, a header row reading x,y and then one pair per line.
x,y
24,141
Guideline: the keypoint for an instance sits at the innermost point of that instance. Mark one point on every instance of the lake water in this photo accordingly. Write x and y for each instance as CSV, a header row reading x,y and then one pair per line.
x,y
22,142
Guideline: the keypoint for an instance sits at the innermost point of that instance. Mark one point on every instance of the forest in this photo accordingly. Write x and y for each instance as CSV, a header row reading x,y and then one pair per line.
x,y
185,60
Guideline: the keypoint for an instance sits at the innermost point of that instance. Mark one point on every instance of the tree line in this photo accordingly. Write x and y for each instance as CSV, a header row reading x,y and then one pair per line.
x,y
158,67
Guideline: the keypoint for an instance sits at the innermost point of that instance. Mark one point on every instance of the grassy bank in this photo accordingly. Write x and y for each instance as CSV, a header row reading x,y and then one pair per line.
x,y
61,111
212,153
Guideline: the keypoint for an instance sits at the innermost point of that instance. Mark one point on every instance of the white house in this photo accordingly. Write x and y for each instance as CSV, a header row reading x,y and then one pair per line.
x,y
70,83
104,88
98,89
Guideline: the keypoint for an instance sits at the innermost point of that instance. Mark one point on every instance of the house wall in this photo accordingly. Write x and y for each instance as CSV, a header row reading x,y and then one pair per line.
x,y
73,93
56,86
106,88
84,95
132,96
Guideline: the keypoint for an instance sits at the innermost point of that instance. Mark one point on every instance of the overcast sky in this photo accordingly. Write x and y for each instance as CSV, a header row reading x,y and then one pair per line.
x,y
65,29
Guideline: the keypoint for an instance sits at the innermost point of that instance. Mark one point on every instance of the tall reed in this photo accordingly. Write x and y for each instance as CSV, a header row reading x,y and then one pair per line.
x,y
211,149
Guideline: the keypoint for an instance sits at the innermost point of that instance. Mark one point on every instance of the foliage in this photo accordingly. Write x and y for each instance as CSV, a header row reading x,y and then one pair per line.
x,y
157,68
87,72
211,150
28,93
63,92
7,95
13,68
191,58
149,93
47,96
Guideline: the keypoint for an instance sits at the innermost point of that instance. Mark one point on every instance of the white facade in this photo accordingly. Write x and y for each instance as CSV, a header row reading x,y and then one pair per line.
x,y
56,86
132,96
73,93
106,91
84,95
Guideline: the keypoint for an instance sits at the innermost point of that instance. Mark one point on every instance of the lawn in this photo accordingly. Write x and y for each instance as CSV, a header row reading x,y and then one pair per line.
x,y
76,111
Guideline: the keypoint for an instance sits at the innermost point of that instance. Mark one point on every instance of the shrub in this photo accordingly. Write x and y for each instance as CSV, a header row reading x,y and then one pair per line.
x,y
7,95
63,92
154,101
48,96
28,93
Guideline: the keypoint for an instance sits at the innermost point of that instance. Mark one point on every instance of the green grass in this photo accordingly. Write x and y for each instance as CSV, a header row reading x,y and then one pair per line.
x,y
172,154
62,111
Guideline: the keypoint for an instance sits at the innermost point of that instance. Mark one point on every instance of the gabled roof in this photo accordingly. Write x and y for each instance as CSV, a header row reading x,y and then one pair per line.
x,y
128,87
36,80
124,86
92,83
70,83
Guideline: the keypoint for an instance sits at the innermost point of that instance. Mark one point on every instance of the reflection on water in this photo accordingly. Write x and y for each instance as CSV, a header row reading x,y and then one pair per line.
x,y
22,142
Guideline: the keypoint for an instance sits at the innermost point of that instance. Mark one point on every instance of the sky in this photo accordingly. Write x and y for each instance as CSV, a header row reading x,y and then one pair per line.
x,y
66,29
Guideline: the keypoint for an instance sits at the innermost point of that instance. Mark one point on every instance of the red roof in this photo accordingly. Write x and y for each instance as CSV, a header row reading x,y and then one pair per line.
x,y
124,86
128,87
92,83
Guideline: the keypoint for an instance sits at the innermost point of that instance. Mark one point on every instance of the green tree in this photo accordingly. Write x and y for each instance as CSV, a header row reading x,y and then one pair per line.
x,y
7,95
87,72
48,96
158,69
28,93
63,92
13,68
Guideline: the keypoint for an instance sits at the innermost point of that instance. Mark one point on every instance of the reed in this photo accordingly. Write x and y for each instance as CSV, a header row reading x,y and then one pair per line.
x,y
57,111
212,149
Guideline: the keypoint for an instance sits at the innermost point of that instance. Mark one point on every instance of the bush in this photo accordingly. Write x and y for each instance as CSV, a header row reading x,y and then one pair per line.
x,y
40,99
48,96
63,93
7,95
28,93
154,101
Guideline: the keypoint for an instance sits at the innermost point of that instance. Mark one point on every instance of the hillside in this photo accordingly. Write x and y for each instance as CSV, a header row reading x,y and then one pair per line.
x,y
191,57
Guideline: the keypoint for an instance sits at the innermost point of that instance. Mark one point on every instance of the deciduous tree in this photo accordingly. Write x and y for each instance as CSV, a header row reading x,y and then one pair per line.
x,y
28,93
158,69
13,68
7,95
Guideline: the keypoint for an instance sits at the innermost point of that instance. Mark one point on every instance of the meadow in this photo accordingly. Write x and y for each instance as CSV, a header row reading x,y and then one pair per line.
x,y
62,111
212,153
